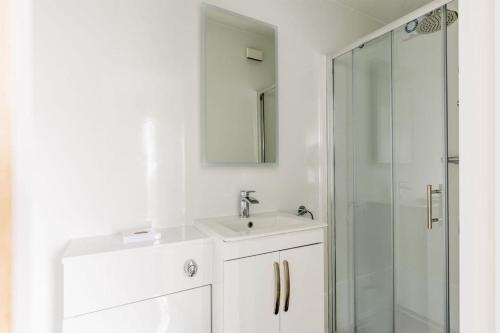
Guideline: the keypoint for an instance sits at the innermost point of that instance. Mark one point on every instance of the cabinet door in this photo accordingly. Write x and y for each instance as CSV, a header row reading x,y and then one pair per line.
x,y
306,303
183,312
250,294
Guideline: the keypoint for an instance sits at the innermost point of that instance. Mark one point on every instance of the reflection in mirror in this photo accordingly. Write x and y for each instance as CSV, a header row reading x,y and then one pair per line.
x,y
240,106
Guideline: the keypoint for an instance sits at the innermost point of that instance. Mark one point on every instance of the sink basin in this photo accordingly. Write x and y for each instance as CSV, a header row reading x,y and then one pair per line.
x,y
260,223
234,228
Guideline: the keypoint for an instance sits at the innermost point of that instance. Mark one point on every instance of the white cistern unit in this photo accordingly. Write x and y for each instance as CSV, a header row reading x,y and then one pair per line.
x,y
147,287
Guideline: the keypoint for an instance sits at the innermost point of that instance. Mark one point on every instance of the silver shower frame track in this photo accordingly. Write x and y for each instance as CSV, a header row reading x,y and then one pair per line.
x,y
390,27
330,149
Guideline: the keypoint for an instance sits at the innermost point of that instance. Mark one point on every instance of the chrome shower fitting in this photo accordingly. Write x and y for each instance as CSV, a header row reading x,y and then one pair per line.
x,y
432,21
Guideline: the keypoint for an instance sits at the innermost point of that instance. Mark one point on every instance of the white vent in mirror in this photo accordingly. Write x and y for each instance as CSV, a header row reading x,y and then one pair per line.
x,y
255,54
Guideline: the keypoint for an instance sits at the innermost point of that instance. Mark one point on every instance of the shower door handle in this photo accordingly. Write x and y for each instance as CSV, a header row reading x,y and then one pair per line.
x,y
430,219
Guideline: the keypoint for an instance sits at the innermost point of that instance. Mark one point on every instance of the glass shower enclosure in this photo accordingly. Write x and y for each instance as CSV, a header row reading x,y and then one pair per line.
x,y
389,190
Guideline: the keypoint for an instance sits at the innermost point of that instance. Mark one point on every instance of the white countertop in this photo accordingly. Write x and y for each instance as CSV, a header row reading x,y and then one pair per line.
x,y
111,243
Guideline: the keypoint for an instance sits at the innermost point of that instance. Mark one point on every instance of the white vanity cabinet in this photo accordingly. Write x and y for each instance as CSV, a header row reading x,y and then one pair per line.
x,y
260,263
275,292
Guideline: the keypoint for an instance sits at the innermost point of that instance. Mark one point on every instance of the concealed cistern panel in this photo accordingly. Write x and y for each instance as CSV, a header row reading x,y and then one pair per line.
x,y
122,274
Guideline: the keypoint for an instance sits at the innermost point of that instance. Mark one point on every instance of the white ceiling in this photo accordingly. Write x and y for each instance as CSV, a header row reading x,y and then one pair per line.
x,y
385,11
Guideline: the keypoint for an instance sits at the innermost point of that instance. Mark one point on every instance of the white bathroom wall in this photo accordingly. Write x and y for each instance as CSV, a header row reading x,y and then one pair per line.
x,y
306,31
107,125
479,167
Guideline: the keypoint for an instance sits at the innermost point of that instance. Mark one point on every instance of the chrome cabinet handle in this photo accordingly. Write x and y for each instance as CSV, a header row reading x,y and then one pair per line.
x,y
430,219
277,288
287,285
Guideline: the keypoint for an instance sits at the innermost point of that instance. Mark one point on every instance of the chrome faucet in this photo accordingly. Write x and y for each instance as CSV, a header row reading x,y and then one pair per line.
x,y
245,201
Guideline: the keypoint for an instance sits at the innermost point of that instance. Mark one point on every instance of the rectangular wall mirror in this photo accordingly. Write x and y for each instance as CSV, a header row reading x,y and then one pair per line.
x,y
240,113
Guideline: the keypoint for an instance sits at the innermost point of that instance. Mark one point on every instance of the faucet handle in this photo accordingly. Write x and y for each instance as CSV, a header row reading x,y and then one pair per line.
x,y
246,193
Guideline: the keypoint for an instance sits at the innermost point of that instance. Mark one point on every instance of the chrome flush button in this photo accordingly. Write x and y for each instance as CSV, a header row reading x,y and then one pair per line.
x,y
190,268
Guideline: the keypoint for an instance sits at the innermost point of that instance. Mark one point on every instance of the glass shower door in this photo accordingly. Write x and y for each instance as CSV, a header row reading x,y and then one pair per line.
x,y
419,171
363,189
372,206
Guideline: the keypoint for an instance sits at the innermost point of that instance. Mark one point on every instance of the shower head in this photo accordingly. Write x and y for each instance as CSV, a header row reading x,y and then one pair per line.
x,y
432,22
451,16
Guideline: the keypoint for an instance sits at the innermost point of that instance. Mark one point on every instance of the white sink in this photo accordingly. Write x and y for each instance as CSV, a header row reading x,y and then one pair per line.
x,y
233,228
